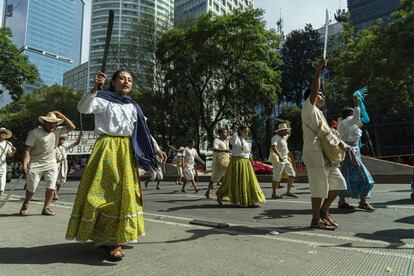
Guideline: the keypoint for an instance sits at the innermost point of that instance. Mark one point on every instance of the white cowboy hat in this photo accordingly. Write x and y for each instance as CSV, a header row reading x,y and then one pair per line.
x,y
9,134
181,149
50,118
282,126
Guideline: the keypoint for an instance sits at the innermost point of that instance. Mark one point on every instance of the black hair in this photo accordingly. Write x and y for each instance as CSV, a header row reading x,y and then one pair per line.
x,y
191,141
114,76
346,112
309,91
221,130
306,94
241,128
62,138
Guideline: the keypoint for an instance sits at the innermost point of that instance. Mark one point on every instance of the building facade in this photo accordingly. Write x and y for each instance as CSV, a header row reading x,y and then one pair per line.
x,y
190,10
49,33
77,78
126,13
365,12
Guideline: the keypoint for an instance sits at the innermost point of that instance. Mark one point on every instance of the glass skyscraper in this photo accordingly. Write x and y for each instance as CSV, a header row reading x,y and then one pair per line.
x,y
190,10
365,12
49,32
126,13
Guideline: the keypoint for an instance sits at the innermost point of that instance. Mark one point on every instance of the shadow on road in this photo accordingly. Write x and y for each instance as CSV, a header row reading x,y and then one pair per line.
x,y
73,253
404,201
394,237
234,231
408,220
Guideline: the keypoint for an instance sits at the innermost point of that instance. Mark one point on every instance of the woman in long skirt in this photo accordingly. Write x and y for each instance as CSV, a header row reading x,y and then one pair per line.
x,y
359,180
108,204
240,185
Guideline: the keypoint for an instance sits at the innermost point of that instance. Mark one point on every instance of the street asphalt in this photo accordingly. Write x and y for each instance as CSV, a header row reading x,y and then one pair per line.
x,y
272,240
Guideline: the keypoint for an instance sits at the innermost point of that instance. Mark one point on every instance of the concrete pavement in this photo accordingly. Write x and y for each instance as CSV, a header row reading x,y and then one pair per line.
x,y
272,240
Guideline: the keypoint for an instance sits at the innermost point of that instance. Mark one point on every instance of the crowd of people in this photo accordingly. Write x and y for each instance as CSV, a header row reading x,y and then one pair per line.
x,y
108,208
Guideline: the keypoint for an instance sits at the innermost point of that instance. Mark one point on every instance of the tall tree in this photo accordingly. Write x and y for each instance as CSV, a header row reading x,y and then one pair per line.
x,y
380,57
22,115
301,48
221,66
15,68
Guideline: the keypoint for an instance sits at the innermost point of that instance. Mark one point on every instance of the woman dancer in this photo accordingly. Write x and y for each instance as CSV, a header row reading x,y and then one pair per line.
x,y
240,185
359,180
108,204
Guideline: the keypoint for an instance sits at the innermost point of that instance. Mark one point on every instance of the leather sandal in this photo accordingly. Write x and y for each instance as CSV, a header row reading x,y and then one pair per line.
x,y
366,206
344,205
48,212
276,196
323,226
23,210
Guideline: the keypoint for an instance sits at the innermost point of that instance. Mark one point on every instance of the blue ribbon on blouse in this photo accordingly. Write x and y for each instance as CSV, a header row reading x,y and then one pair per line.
x,y
361,94
143,145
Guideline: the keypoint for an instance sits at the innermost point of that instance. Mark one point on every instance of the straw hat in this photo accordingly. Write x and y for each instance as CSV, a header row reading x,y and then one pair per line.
x,y
50,118
8,132
181,149
282,126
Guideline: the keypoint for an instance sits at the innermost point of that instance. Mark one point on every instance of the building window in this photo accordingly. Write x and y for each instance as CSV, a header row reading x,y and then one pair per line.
x,y
216,7
223,2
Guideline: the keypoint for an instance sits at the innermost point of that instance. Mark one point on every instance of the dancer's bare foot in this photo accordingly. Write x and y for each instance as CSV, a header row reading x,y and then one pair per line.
x,y
291,195
219,200
208,195
116,253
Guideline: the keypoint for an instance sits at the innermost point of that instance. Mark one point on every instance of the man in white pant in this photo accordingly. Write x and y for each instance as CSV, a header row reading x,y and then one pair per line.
x,y
279,156
40,149
6,149
62,160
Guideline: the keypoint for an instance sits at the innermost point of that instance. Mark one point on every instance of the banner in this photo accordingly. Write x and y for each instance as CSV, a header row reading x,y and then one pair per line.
x,y
85,147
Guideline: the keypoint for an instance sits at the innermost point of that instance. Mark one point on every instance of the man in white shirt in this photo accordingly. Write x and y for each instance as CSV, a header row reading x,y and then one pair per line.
x,y
6,149
190,155
41,144
62,160
325,181
279,156
221,159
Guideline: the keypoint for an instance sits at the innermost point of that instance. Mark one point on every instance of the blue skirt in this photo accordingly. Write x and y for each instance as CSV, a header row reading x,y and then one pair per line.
x,y
358,179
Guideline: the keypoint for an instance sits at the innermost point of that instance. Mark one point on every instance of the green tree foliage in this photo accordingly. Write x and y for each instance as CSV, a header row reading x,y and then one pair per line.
x,y
21,116
220,67
382,58
300,50
15,68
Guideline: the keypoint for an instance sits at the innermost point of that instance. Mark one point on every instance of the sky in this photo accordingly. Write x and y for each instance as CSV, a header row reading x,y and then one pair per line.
x,y
295,14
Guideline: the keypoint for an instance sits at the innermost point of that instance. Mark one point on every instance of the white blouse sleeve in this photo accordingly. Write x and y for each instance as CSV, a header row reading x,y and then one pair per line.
x,y
157,148
355,117
234,141
89,103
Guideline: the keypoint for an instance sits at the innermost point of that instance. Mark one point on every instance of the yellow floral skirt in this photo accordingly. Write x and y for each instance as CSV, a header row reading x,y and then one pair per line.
x,y
240,185
108,204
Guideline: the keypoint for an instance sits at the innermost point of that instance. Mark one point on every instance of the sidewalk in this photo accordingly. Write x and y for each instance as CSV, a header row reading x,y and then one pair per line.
x,y
35,245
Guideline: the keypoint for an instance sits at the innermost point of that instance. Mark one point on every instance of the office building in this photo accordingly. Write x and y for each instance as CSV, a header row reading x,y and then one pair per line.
x,y
49,32
190,10
365,12
77,78
126,13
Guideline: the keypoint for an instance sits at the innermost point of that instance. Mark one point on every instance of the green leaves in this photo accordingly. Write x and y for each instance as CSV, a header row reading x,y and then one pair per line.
x,y
221,66
15,68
